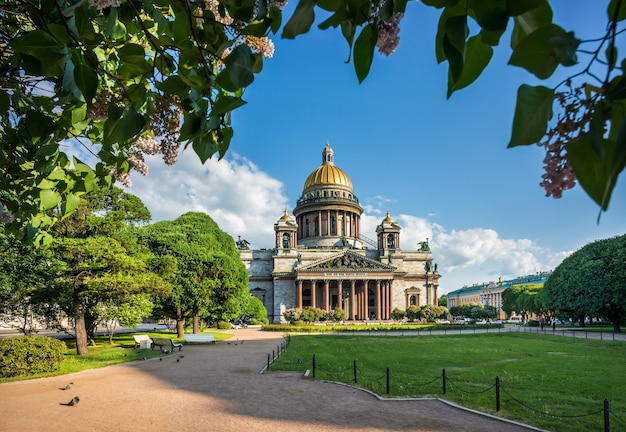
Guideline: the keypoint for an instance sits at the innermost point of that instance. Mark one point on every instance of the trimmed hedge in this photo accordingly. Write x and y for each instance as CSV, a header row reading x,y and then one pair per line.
x,y
224,325
27,355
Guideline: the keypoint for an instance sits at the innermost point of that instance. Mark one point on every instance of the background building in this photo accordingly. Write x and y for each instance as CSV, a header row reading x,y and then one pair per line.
x,y
490,293
321,258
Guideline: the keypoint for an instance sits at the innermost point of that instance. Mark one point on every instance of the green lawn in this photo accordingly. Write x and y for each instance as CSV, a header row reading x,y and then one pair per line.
x,y
104,354
548,381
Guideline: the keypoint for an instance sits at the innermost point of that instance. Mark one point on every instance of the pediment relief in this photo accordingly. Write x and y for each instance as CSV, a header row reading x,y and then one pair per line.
x,y
346,261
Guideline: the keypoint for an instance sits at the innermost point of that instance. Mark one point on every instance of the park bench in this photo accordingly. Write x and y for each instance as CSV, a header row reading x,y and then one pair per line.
x,y
142,341
204,337
166,344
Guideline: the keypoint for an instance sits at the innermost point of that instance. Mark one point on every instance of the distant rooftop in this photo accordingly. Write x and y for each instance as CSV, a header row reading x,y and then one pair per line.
x,y
537,278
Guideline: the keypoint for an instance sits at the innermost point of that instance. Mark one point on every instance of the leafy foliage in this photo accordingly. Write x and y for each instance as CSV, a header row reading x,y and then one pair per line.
x,y
114,77
590,282
210,280
27,355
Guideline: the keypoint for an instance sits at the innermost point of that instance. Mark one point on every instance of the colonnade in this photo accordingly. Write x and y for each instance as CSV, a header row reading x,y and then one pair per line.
x,y
360,299
328,223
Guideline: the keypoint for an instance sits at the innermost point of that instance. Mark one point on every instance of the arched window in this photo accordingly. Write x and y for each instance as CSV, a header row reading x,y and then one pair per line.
x,y
391,241
286,240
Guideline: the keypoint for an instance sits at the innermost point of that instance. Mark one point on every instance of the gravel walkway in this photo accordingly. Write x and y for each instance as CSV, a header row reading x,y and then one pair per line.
x,y
219,388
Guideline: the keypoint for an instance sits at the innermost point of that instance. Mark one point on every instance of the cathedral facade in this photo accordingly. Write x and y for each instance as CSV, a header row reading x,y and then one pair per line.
x,y
321,259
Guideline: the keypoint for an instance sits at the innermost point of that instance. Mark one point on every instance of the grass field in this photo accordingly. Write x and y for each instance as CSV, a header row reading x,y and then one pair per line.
x,y
556,383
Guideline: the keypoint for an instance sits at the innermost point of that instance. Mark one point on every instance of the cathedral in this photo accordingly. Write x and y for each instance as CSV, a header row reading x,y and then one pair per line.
x,y
321,259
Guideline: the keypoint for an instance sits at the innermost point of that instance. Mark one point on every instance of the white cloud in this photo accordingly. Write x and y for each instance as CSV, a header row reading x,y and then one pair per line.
x,y
241,199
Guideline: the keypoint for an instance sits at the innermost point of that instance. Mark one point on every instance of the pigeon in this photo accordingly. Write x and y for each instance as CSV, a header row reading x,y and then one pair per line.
x,y
177,360
67,387
181,356
161,359
73,402
143,358
242,342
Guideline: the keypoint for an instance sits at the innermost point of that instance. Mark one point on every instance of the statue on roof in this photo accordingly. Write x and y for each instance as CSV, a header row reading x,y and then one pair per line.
x,y
242,244
424,246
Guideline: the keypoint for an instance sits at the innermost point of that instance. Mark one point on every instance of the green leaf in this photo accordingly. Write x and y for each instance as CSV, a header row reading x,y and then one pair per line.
x,y
597,175
518,7
239,64
257,28
564,47
132,53
86,80
477,57
49,199
440,3
491,14
530,21
174,85
119,130
454,44
301,20
225,104
38,124
205,147
621,13
5,102
84,25
191,127
491,37
277,18
364,51
70,204
533,111
534,52
115,29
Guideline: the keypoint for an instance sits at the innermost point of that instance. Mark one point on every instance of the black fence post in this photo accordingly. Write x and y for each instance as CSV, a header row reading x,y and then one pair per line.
x,y
273,356
268,361
606,415
443,380
497,393
313,367
354,370
387,381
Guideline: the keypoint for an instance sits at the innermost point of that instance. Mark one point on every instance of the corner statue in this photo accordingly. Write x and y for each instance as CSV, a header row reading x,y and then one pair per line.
x,y
242,244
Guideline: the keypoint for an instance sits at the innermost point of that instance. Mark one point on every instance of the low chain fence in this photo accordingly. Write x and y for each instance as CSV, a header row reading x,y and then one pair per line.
x,y
387,382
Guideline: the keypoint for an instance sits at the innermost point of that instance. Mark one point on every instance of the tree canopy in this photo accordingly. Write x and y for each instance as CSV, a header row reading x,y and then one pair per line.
x,y
123,79
591,282
210,279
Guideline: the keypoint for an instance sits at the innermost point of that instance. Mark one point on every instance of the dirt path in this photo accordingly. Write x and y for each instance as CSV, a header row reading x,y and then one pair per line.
x,y
218,388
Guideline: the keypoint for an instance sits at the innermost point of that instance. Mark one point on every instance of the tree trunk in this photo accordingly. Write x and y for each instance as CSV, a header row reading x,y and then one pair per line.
x,y
616,327
196,321
180,324
81,329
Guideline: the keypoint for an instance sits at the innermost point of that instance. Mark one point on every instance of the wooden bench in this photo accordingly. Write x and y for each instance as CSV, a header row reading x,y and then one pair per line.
x,y
142,341
200,337
165,343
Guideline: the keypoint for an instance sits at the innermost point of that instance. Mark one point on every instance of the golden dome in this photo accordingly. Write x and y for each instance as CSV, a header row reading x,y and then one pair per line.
x,y
328,173
286,217
388,219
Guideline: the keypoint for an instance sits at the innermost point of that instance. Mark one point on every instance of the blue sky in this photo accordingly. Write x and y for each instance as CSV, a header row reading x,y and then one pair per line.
x,y
440,167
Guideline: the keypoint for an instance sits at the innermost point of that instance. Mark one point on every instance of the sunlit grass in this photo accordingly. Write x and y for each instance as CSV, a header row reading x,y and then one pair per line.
x,y
104,354
540,376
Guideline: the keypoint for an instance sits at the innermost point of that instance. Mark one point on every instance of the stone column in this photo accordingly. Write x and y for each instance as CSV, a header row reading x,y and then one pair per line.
x,y
326,296
299,294
313,293
352,300
339,295
366,302
377,299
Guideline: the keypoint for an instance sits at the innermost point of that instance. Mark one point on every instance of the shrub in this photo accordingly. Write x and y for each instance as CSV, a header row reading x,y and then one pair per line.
x,y
256,321
224,325
533,323
27,355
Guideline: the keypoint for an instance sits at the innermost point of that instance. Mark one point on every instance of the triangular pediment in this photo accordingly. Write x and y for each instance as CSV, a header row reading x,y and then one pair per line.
x,y
345,262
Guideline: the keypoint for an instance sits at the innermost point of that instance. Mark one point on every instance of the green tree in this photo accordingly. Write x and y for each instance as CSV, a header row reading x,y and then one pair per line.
x,y
253,309
587,142
591,282
443,300
95,270
413,313
466,309
312,314
24,270
210,280
127,311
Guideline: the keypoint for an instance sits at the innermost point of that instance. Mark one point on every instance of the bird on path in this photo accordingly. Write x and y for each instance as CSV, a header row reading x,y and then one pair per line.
x,y
73,402
161,359
67,387
177,360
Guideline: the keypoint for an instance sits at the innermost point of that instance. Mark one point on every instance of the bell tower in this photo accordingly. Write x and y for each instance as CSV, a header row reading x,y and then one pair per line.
x,y
286,232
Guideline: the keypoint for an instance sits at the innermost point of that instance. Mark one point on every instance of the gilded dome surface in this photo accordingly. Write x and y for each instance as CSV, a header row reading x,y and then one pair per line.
x,y
328,173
